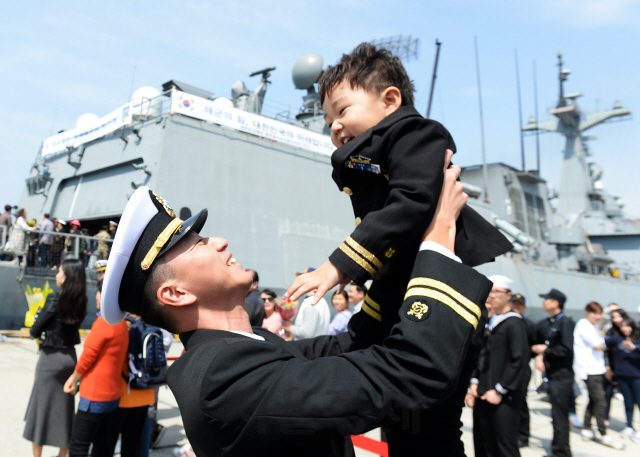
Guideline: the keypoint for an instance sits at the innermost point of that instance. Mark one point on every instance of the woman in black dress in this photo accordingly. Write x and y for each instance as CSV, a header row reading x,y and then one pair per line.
x,y
50,412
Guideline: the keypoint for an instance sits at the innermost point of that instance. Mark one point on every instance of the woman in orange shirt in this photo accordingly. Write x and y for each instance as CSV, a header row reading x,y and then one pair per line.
x,y
130,418
99,367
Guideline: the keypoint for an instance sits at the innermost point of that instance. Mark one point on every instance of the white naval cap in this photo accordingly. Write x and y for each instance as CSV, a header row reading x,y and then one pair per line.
x,y
148,228
501,281
101,265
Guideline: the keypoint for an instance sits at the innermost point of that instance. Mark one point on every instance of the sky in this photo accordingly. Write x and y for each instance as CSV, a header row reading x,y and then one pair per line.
x,y
60,60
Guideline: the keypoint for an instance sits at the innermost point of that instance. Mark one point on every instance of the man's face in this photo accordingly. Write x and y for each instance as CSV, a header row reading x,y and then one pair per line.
x,y
499,299
349,112
550,305
355,296
594,318
202,266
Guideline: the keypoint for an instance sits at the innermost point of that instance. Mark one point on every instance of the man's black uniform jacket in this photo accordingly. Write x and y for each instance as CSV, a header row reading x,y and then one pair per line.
x,y
557,334
393,174
239,396
504,354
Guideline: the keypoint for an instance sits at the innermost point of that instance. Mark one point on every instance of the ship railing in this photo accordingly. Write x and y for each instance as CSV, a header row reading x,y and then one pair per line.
x,y
42,254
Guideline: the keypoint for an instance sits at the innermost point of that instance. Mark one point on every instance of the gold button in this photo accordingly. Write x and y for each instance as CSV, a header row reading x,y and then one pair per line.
x,y
358,220
347,191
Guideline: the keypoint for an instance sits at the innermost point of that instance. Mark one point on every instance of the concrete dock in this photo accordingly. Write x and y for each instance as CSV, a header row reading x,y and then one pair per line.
x,y
18,357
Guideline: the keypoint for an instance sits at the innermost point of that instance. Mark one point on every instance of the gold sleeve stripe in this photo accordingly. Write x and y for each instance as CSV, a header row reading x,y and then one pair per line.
x,y
357,259
353,244
367,309
372,303
424,292
448,290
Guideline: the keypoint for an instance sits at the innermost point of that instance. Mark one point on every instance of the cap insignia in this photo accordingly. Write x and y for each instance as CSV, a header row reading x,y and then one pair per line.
x,y
165,204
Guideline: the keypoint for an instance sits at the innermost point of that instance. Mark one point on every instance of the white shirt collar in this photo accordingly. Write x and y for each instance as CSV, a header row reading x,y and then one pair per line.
x,y
250,335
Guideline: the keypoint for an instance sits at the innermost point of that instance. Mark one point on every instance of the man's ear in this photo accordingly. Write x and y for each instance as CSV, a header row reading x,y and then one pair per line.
x,y
173,295
392,99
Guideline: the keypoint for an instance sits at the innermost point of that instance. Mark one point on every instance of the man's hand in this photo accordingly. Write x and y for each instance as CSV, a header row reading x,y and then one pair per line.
x,y
492,396
442,229
540,364
70,384
325,278
286,324
539,348
609,374
470,398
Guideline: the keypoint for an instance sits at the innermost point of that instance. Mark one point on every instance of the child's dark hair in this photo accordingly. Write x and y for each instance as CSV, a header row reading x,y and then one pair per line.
x,y
371,69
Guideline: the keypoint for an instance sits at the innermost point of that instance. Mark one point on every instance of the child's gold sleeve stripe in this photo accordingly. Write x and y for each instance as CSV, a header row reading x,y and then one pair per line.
x,y
371,312
357,259
353,244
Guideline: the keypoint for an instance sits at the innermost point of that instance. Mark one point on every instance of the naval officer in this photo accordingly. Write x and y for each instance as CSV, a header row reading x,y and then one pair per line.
x,y
244,391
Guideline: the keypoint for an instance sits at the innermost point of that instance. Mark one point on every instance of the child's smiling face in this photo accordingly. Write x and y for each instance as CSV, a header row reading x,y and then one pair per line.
x,y
351,111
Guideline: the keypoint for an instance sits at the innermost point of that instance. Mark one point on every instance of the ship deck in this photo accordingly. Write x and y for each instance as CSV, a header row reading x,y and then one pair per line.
x,y
18,357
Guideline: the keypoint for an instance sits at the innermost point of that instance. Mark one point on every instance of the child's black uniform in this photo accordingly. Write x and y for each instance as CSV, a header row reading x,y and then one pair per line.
x,y
393,174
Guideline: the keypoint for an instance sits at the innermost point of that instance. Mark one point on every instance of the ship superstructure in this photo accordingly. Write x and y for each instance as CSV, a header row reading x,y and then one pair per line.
x,y
267,184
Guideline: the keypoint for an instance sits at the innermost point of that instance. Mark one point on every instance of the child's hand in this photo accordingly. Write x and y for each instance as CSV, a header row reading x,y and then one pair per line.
x,y
442,229
325,278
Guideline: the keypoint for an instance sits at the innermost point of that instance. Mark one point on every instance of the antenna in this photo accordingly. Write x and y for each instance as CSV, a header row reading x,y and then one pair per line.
x,y
535,101
433,79
520,111
485,173
404,47
133,77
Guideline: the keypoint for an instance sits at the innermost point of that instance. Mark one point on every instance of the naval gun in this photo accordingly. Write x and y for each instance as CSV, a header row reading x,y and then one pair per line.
x,y
251,101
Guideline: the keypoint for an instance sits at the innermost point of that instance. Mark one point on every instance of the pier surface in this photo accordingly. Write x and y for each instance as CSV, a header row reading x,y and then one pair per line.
x,y
18,357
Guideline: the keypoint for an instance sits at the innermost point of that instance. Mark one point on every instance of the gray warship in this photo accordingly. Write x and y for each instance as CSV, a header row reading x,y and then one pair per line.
x,y
267,184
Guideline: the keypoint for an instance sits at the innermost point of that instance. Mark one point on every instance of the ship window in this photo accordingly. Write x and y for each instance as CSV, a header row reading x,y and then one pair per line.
x,y
542,218
532,215
516,200
185,213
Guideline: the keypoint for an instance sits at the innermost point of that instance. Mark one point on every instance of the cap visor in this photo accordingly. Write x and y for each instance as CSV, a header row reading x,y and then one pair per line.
x,y
193,224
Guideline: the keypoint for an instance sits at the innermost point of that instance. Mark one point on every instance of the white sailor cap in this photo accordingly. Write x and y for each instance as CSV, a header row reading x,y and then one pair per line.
x,y
501,281
115,224
148,229
101,265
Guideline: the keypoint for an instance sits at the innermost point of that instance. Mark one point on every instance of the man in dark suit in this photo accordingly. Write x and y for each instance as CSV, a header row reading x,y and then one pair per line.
x,y
555,346
245,391
518,305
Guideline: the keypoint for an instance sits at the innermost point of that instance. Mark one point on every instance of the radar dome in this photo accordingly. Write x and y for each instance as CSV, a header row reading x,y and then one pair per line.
x,y
147,102
223,102
307,70
87,120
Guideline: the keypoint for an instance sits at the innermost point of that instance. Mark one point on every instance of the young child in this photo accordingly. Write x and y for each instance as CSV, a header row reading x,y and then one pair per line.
x,y
389,162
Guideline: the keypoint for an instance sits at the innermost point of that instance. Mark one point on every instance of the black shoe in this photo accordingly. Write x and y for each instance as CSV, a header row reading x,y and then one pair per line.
x,y
522,444
157,435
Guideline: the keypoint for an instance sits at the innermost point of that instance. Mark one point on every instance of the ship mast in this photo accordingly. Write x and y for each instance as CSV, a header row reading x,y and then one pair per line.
x,y
576,186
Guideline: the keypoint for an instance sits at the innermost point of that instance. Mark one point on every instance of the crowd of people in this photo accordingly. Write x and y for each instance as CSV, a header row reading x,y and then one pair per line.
x,y
26,243
602,358
109,408
309,320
